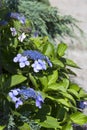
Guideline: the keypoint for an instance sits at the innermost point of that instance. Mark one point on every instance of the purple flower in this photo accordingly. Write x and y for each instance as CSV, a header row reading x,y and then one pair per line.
x,y
22,19
17,16
20,95
36,34
13,31
39,65
14,15
13,95
82,104
18,103
22,37
22,60
16,59
39,100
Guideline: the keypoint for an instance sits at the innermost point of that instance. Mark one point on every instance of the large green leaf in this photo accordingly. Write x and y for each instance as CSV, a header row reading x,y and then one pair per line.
x,y
56,87
50,122
61,49
78,118
53,77
14,80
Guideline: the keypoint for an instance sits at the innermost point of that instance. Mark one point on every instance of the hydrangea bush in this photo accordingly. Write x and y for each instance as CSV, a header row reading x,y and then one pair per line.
x,y
36,92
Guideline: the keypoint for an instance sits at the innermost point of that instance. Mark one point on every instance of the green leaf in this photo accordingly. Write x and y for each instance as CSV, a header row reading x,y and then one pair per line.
x,y
2,127
64,102
57,63
69,97
44,81
14,80
48,50
24,127
56,87
71,63
33,80
50,122
67,126
74,93
53,77
65,83
78,118
61,49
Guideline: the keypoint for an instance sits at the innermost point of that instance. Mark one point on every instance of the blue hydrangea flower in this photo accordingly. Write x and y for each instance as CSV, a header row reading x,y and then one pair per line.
x,y
22,60
82,104
22,37
13,95
36,34
19,95
35,55
13,31
18,102
28,93
17,16
39,65
39,100
3,23
22,19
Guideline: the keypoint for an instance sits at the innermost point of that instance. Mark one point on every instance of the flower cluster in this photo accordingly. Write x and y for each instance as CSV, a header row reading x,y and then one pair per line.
x,y
35,55
38,58
17,16
39,65
22,60
19,95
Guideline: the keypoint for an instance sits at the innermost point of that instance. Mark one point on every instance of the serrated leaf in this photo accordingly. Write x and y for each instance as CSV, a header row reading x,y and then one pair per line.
x,y
53,77
50,122
14,80
61,49
78,118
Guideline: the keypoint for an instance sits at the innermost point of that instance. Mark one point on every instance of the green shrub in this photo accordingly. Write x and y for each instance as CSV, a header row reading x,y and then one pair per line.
x,y
36,92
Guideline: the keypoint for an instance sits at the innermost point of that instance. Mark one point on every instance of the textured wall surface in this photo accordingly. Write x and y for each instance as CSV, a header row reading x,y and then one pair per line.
x,y
78,9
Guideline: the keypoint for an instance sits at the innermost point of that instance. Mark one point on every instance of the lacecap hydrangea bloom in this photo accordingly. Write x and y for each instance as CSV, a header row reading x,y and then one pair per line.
x,y
40,61
18,96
